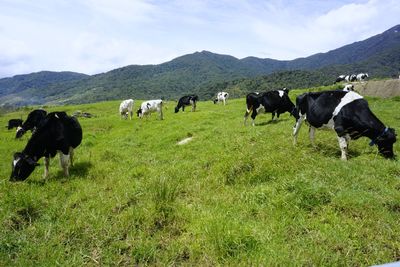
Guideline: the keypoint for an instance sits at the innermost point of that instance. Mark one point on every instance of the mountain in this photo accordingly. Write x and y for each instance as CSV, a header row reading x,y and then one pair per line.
x,y
205,72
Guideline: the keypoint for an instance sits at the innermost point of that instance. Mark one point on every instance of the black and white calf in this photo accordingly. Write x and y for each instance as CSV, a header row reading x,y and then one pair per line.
x,y
221,97
275,102
149,107
58,132
350,78
125,108
14,123
187,100
348,114
34,119
362,76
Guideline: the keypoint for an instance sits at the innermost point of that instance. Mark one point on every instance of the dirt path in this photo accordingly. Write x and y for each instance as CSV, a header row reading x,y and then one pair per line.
x,y
384,88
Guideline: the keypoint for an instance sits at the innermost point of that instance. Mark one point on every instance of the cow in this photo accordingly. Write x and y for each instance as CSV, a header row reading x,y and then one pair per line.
x,y
58,132
187,100
14,123
126,107
148,107
340,78
221,96
34,119
348,114
275,101
362,76
350,78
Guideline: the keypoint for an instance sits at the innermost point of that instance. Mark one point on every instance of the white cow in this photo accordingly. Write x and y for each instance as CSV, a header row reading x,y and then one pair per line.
x,y
149,107
126,107
362,76
348,87
221,96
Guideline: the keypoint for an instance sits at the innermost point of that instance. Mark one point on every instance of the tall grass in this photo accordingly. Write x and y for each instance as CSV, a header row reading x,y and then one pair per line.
x,y
233,195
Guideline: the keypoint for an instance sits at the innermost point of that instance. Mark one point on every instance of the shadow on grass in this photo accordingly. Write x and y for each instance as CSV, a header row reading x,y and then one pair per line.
x,y
78,171
333,151
276,121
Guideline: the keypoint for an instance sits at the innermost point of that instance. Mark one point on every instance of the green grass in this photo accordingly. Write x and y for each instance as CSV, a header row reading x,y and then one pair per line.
x,y
234,195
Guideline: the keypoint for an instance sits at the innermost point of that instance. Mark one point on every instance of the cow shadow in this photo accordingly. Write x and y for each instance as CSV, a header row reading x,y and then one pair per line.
x,y
78,171
276,121
333,151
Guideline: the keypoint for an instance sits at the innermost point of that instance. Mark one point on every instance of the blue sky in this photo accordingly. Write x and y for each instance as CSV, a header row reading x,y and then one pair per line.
x,y
93,36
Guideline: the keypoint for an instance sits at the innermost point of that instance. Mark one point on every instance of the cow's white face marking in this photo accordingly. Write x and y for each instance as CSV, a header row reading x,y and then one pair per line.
x,y
16,161
281,93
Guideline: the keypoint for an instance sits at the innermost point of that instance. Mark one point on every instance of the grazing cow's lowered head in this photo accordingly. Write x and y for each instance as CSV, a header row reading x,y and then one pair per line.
x,y
221,96
348,114
34,119
56,133
187,100
348,87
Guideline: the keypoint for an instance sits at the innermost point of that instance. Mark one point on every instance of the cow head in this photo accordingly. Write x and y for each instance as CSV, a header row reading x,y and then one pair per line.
x,y
385,142
22,167
20,132
176,109
139,113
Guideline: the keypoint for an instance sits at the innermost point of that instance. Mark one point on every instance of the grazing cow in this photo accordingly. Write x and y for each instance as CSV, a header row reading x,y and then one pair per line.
x,y
187,100
14,123
126,107
362,76
58,132
149,107
348,114
276,102
350,78
34,119
221,96
340,78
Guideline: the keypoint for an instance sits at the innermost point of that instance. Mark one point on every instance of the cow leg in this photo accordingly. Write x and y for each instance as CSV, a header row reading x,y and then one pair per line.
x,y
273,115
194,107
46,167
183,108
253,117
71,156
311,133
296,129
64,162
161,115
131,113
343,144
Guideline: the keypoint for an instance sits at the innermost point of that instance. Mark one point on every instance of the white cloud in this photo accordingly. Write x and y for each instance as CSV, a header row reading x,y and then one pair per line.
x,y
92,36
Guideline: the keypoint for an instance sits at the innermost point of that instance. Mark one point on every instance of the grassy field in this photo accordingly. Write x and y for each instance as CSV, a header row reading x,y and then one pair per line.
x,y
234,195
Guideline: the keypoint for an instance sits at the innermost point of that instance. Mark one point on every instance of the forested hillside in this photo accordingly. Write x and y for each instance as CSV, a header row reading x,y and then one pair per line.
x,y
206,73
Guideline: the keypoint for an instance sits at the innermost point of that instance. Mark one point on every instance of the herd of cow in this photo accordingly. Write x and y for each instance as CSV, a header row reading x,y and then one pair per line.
x,y
344,111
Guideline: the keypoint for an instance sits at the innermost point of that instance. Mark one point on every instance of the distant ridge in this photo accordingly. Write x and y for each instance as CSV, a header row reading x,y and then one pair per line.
x,y
203,72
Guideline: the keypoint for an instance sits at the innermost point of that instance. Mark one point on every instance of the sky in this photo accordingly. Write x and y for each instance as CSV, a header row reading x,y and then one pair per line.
x,y
95,36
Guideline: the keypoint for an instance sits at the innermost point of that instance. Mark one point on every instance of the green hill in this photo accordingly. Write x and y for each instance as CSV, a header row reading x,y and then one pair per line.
x,y
201,71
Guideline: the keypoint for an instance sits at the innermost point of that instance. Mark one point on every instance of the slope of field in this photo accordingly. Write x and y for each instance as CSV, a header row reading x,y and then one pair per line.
x,y
382,88
233,195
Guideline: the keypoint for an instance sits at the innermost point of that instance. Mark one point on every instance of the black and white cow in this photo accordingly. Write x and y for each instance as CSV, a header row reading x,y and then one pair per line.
x,y
221,96
58,132
348,114
340,78
32,122
14,123
275,101
187,100
350,78
148,107
126,108
348,87
362,76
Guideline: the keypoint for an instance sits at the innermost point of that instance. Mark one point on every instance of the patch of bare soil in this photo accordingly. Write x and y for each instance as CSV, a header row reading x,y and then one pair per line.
x,y
383,88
